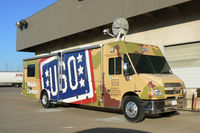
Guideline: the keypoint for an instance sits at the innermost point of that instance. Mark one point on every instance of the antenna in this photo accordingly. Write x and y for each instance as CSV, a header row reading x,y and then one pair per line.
x,y
120,28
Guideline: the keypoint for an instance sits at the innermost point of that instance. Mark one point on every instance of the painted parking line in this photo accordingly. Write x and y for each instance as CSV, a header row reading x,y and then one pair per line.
x,y
117,119
48,110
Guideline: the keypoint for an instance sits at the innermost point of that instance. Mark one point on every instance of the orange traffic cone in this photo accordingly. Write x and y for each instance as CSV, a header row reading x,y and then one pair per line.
x,y
195,100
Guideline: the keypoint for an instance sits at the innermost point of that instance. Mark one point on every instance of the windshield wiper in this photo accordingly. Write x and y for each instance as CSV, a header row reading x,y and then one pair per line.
x,y
166,72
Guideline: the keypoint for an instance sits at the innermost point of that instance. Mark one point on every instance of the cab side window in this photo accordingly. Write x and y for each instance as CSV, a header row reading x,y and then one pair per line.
x,y
115,66
118,62
111,66
31,70
130,70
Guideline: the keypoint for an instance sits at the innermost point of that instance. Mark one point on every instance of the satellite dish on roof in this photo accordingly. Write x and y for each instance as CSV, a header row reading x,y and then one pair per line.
x,y
120,25
120,28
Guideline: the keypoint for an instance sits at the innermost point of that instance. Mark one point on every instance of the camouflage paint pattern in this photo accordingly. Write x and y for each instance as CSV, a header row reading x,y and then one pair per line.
x,y
31,85
116,86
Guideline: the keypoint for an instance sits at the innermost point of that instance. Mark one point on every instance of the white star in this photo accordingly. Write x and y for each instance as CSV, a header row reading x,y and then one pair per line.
x,y
82,82
80,70
79,58
47,73
47,83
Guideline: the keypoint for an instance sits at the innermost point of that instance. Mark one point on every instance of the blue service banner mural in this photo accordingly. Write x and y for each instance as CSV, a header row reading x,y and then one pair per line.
x,y
76,77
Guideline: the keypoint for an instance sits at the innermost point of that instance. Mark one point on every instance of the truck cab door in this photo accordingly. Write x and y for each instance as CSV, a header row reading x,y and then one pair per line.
x,y
115,80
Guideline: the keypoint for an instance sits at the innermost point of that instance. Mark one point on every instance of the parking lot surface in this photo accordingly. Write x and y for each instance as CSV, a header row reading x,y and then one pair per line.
x,y
19,114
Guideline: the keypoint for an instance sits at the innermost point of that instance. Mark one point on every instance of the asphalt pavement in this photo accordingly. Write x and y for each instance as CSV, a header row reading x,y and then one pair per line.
x,y
19,114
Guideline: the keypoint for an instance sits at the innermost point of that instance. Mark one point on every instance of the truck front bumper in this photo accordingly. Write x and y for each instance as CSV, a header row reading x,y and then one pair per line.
x,y
162,106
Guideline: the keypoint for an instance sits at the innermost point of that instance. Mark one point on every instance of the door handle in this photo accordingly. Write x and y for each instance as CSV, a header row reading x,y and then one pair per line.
x,y
108,90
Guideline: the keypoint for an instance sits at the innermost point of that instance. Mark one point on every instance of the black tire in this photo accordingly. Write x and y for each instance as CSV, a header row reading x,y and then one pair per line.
x,y
16,85
45,100
132,109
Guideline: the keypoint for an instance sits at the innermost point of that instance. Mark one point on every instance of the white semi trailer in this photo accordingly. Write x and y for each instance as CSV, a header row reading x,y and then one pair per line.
x,y
11,79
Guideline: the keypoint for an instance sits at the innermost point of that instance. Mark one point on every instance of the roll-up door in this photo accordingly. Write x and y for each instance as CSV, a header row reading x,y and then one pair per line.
x,y
185,62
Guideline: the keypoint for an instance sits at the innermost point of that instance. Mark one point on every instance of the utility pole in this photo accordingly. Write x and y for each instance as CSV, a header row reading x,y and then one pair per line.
x,y
7,66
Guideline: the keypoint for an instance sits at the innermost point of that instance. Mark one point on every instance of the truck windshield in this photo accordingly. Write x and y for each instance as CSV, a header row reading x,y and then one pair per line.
x,y
150,64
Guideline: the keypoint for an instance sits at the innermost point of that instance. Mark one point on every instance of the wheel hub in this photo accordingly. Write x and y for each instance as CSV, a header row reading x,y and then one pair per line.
x,y
44,99
131,109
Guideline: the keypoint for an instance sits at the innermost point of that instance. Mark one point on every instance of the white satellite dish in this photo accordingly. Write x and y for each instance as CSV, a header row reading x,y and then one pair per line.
x,y
120,28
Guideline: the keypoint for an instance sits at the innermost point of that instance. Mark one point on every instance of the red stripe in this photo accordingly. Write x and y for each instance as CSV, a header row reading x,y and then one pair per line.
x,y
40,61
94,98
92,75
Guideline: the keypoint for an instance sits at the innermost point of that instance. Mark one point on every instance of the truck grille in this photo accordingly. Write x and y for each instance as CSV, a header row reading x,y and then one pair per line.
x,y
172,88
172,91
172,85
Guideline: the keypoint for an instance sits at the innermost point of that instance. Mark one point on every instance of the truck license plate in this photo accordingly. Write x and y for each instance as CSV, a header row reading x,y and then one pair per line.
x,y
174,102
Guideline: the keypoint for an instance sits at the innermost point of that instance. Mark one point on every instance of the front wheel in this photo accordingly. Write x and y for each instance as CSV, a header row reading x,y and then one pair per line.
x,y
45,100
132,109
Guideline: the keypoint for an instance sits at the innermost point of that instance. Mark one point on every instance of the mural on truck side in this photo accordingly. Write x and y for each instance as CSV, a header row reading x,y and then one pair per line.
x,y
77,78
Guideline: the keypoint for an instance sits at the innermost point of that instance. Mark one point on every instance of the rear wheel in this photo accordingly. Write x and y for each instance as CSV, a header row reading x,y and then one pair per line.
x,y
45,100
132,109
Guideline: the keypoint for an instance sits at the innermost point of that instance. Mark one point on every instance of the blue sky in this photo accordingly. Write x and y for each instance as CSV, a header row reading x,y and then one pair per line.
x,y
12,11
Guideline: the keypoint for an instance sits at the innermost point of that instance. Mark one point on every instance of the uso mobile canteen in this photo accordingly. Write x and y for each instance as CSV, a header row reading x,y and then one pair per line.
x,y
123,75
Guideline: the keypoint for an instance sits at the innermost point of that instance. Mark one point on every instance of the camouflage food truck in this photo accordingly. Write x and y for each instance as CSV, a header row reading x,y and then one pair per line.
x,y
123,75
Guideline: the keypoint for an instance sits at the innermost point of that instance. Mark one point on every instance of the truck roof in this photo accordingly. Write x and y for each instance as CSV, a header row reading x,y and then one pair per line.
x,y
140,48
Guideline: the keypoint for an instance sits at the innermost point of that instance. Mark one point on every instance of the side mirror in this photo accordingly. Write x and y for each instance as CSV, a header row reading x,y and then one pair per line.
x,y
125,68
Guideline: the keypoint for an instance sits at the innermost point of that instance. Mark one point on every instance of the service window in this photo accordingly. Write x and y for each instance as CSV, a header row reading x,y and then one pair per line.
x,y
115,66
31,70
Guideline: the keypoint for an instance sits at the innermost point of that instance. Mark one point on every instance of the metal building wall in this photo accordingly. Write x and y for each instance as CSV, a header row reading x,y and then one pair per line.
x,y
67,17
185,62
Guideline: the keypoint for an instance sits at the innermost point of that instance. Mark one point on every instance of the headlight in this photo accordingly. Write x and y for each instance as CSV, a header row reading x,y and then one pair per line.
x,y
157,92
184,91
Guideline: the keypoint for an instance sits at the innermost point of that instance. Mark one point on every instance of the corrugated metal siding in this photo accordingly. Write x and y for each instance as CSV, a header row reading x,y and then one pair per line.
x,y
187,55
185,63
190,76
